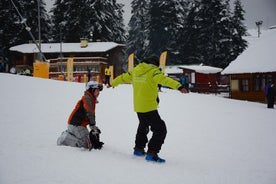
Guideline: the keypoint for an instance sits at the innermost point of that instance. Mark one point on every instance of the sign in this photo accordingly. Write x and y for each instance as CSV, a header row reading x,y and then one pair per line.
x,y
41,69
112,72
162,60
130,62
70,69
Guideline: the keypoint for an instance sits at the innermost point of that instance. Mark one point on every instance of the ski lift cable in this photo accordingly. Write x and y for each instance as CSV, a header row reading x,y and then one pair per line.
x,y
23,20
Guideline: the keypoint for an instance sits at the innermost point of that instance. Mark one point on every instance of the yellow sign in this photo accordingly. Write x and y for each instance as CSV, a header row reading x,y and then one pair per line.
x,y
70,69
111,68
162,60
41,69
130,62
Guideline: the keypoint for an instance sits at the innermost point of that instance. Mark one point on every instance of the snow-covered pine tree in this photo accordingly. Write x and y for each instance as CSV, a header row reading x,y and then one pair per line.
x,y
225,45
91,19
10,27
71,20
207,34
182,9
137,40
58,20
162,26
239,29
12,30
187,37
30,12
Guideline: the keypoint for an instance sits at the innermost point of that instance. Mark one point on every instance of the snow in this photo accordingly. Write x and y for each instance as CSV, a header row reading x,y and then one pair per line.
x,y
66,47
259,57
210,140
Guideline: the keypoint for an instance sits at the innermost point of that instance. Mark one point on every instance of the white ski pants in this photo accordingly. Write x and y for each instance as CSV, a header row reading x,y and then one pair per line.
x,y
76,136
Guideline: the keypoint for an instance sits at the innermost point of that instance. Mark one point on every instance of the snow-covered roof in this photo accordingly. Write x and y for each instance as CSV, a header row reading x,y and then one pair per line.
x,y
197,68
259,57
173,69
202,68
66,47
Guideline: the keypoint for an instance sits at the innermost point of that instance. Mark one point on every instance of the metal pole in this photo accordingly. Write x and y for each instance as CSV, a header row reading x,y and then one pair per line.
x,y
23,21
61,57
39,30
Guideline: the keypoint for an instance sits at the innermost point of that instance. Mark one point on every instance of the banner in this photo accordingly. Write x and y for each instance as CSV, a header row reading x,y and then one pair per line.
x,y
70,69
41,69
163,58
130,62
111,68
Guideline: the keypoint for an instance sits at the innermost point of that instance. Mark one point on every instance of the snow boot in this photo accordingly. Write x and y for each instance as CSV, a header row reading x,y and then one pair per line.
x,y
155,158
139,153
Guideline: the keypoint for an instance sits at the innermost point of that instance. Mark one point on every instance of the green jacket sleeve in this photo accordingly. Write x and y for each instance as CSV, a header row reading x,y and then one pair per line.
x,y
124,78
160,78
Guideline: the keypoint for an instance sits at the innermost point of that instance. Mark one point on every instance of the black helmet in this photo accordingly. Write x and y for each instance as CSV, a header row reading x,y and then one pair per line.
x,y
154,60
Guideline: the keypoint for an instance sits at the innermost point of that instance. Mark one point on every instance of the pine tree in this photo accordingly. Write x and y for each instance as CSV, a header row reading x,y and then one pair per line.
x,y
182,11
10,26
13,31
208,34
91,19
70,20
162,26
239,30
137,35
187,37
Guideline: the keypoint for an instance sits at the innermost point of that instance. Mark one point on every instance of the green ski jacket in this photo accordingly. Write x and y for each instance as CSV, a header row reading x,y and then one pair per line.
x,y
145,79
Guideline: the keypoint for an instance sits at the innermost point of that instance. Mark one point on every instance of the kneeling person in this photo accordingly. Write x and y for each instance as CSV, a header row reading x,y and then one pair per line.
x,y
77,134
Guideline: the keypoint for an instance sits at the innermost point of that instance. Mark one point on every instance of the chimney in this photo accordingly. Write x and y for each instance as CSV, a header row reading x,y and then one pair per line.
x,y
83,42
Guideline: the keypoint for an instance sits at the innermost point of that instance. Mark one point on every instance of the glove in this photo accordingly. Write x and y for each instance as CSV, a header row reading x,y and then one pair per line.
x,y
95,141
98,145
95,130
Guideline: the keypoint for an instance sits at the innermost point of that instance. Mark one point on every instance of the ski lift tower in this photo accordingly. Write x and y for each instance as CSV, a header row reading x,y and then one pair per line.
x,y
258,24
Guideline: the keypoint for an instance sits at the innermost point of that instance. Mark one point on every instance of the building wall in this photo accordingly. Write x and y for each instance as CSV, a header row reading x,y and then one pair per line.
x,y
250,86
206,83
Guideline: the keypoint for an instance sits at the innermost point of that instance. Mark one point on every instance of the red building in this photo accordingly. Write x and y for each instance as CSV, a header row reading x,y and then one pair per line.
x,y
202,79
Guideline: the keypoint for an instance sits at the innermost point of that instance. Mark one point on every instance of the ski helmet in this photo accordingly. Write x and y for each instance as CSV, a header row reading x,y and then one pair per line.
x,y
94,85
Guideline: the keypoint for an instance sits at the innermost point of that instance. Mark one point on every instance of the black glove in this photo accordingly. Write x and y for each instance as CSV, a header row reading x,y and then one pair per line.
x,y
94,137
95,130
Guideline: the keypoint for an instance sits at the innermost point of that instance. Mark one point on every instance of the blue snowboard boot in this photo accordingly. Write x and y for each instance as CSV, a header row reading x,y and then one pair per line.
x,y
139,153
155,158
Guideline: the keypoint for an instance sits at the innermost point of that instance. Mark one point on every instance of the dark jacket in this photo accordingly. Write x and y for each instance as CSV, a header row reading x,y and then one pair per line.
x,y
84,112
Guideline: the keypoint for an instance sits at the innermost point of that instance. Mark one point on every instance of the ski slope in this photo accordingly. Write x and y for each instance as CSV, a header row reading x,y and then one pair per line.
x,y
210,140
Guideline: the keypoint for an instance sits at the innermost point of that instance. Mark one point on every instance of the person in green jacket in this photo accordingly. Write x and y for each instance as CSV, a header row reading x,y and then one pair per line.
x,y
145,78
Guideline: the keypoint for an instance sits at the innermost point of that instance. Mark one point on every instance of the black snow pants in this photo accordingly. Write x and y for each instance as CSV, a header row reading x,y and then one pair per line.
x,y
150,121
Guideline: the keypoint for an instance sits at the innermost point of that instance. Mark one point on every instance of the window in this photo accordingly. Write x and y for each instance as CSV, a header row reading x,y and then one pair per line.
x,y
257,83
234,85
244,85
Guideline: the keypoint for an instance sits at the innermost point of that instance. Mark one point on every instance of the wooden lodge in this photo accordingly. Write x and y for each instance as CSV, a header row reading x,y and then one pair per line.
x,y
87,56
250,86
251,71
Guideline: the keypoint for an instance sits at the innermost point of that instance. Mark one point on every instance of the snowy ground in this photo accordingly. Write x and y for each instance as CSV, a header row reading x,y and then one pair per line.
x,y
211,140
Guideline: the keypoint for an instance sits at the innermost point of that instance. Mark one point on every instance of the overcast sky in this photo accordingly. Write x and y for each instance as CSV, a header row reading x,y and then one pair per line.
x,y
256,10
